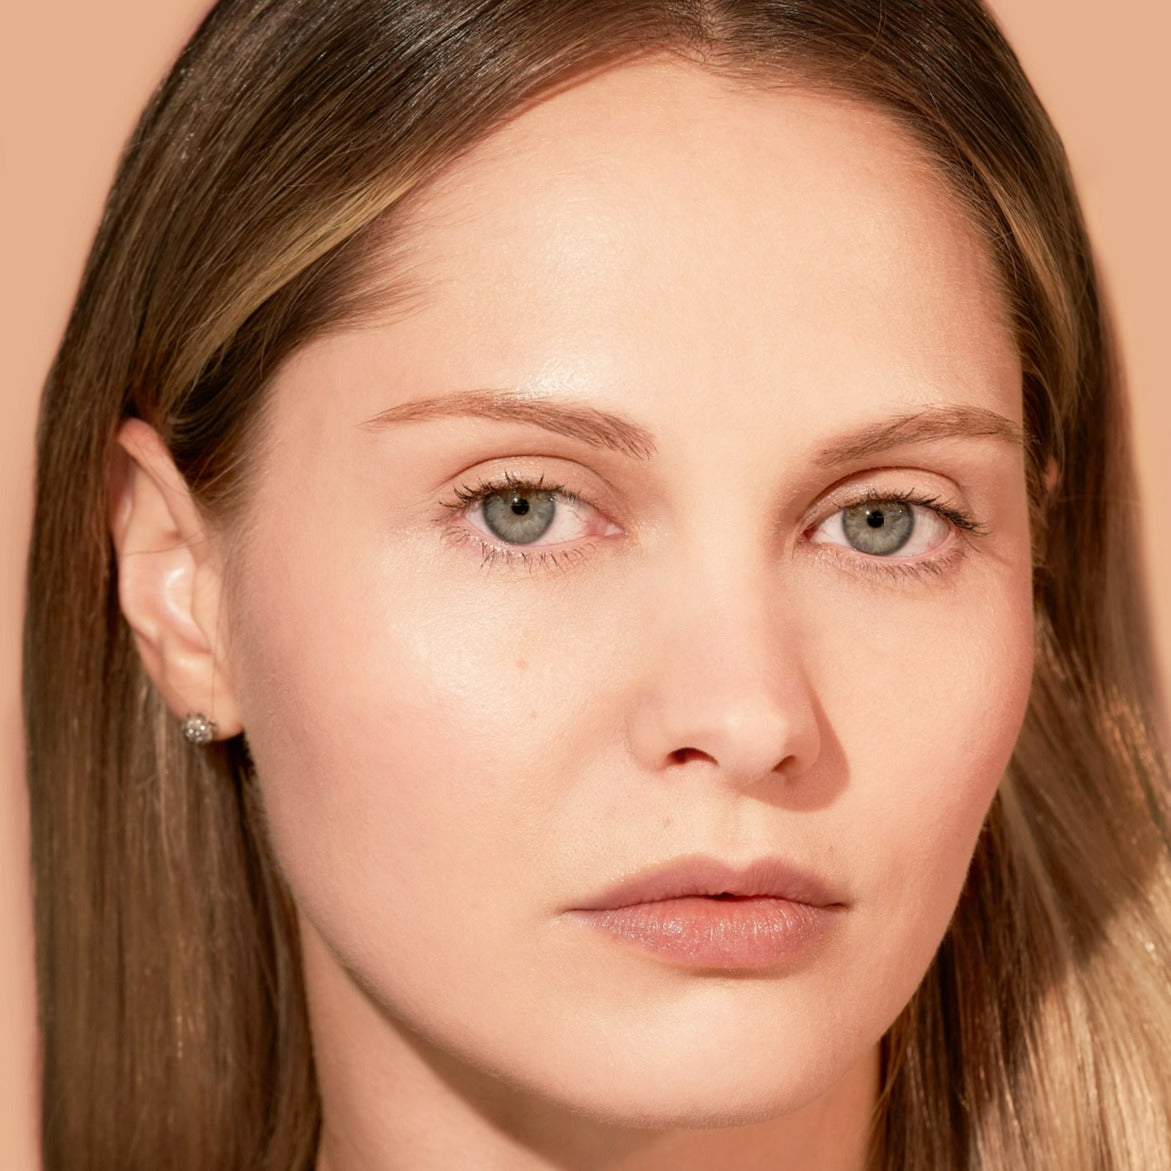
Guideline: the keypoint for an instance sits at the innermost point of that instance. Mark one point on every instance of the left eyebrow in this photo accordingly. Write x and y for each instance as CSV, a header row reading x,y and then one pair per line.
x,y
921,426
577,420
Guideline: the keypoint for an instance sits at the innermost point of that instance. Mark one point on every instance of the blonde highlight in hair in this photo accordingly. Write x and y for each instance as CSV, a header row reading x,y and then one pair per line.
x,y
267,173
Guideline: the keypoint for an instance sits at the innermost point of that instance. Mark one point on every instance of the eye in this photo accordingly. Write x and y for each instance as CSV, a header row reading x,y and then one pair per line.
x,y
882,527
519,514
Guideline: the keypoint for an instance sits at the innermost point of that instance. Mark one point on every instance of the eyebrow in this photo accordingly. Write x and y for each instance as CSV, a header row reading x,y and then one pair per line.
x,y
922,425
576,420
613,432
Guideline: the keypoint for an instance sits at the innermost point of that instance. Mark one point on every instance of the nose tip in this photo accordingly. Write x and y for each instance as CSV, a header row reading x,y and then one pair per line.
x,y
740,706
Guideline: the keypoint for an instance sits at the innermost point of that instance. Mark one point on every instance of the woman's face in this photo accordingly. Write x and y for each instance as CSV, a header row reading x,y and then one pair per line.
x,y
675,530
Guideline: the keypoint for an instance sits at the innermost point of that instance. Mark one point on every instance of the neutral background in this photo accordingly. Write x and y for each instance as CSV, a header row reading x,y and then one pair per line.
x,y
75,76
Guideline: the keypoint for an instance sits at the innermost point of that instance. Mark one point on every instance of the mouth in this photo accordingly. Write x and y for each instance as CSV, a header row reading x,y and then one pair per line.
x,y
700,913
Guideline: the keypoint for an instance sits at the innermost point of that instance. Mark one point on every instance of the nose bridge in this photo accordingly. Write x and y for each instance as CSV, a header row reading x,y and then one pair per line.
x,y
727,624
725,685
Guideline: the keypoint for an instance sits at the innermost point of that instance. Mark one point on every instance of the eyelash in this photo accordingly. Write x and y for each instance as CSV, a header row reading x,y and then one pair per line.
x,y
467,496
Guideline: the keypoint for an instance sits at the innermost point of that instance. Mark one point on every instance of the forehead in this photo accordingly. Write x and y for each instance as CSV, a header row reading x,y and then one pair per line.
x,y
659,194
660,236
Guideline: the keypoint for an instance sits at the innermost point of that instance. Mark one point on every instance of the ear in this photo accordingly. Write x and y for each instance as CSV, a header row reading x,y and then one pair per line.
x,y
170,579
1052,475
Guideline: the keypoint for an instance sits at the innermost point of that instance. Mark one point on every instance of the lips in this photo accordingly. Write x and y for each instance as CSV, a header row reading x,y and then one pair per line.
x,y
703,877
698,912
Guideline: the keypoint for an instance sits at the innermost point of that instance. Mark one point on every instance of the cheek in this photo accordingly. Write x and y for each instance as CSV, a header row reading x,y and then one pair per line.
x,y
926,711
408,736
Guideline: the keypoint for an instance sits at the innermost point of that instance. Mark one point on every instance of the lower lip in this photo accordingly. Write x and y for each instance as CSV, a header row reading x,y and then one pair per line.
x,y
699,932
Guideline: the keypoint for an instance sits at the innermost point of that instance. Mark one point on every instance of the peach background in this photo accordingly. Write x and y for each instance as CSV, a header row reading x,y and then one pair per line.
x,y
76,77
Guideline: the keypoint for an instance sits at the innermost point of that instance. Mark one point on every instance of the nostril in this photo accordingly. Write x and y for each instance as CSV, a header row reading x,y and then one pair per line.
x,y
683,755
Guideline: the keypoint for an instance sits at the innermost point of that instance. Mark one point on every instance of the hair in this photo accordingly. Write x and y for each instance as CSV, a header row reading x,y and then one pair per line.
x,y
249,206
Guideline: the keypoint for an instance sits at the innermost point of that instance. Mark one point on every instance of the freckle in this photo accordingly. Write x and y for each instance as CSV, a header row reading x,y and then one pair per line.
x,y
522,664
668,821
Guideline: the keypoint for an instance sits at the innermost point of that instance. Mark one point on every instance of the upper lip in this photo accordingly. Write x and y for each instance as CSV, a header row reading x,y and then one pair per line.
x,y
699,875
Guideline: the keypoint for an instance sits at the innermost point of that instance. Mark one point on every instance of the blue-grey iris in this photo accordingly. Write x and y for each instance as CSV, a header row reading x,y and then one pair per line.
x,y
879,527
519,516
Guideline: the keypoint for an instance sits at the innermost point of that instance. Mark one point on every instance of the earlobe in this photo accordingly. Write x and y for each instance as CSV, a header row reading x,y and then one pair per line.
x,y
170,579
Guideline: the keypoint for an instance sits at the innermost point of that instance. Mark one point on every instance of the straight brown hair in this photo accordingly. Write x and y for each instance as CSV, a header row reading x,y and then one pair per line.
x,y
261,181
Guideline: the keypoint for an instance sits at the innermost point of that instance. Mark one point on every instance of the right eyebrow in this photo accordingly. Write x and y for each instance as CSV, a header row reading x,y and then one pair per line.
x,y
577,420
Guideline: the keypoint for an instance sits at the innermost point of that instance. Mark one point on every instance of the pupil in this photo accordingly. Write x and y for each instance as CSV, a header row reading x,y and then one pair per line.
x,y
520,505
875,518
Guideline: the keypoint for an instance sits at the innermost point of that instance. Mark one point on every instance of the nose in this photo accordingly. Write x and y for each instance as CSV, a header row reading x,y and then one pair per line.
x,y
724,687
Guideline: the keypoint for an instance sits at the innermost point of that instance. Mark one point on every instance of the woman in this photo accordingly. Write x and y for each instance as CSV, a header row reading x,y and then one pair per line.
x,y
563,625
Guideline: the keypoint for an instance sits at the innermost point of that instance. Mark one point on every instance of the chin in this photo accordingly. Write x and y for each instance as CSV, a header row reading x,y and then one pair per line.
x,y
725,1091
699,1111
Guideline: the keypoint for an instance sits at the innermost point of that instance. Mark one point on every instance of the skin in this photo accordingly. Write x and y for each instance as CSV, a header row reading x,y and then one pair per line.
x,y
458,741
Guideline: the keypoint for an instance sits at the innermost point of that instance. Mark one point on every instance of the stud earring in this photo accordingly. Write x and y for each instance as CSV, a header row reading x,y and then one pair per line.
x,y
198,728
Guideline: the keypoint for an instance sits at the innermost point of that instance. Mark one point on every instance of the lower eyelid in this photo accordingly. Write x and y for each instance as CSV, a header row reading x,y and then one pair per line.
x,y
908,571
918,568
530,557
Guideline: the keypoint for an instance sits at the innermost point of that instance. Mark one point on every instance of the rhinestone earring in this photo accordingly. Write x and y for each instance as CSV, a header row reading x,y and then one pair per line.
x,y
198,728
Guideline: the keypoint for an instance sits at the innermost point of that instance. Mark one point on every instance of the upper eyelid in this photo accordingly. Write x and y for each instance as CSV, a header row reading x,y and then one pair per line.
x,y
860,488
577,484
466,500
488,486
930,501
864,479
